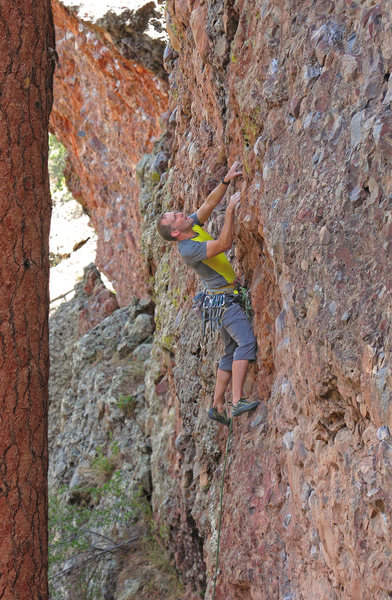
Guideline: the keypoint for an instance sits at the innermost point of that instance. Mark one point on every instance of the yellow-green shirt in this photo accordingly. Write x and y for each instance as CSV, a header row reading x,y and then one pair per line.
x,y
216,272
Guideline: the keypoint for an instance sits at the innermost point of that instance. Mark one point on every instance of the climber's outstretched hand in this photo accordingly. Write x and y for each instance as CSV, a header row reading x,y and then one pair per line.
x,y
234,171
217,194
234,201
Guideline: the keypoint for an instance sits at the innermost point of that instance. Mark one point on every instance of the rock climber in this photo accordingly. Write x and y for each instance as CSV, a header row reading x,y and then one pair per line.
x,y
207,257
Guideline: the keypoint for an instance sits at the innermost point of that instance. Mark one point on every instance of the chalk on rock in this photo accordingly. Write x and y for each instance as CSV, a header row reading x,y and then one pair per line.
x,y
288,440
383,433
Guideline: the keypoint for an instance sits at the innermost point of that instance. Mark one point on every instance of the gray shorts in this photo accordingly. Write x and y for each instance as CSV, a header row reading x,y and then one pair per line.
x,y
237,336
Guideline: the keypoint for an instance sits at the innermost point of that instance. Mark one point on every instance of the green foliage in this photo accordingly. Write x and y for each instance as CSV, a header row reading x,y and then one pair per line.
x,y
127,404
245,299
76,541
80,539
103,465
101,468
75,531
56,166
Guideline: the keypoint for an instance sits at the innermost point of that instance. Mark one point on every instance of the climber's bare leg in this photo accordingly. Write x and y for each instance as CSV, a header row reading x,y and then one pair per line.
x,y
240,368
222,381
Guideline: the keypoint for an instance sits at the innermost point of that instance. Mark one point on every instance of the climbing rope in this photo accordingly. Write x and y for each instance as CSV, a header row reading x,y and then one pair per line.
x,y
220,506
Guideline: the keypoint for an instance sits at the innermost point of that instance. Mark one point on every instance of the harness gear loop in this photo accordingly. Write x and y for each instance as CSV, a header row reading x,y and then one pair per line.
x,y
213,307
220,507
210,306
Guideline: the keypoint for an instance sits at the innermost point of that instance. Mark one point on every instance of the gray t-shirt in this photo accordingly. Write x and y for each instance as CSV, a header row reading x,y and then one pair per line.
x,y
215,272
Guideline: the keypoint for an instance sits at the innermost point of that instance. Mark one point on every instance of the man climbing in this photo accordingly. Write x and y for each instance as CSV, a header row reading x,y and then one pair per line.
x,y
206,256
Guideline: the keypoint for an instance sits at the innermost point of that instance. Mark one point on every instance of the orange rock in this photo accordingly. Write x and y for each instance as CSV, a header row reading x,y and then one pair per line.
x,y
106,113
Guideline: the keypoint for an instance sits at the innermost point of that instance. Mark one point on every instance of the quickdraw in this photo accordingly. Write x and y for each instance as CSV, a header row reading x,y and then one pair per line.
x,y
213,308
210,306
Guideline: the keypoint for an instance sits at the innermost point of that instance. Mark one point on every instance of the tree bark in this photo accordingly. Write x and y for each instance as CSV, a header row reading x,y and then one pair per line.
x,y
26,70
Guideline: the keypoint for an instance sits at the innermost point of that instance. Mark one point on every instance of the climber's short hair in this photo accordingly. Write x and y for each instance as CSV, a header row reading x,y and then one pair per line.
x,y
164,229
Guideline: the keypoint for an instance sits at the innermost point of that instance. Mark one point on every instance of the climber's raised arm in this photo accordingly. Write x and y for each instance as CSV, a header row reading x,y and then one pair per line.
x,y
217,194
226,238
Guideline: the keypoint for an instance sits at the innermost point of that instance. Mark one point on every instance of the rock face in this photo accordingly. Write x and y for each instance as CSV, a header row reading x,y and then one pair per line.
x,y
128,32
106,113
100,301
100,456
301,93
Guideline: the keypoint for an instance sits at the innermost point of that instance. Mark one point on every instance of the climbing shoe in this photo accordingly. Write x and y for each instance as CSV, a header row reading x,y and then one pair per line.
x,y
217,416
242,406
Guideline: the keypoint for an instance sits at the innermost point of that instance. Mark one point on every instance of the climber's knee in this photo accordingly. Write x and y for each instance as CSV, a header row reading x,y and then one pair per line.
x,y
246,351
237,327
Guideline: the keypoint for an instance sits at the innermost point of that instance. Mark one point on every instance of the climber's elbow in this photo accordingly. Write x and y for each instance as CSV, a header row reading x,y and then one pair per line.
x,y
215,247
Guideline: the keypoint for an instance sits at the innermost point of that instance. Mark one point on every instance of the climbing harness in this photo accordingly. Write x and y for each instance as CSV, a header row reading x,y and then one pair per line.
x,y
221,505
210,307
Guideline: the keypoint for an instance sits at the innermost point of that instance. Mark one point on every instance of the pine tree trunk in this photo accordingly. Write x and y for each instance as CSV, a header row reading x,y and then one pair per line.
x,y
26,69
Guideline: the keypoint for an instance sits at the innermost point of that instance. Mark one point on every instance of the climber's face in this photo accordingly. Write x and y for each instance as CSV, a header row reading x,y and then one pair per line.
x,y
178,222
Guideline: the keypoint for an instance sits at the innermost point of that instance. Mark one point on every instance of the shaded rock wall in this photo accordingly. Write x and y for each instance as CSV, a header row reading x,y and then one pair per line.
x,y
128,32
99,301
300,92
97,437
106,113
